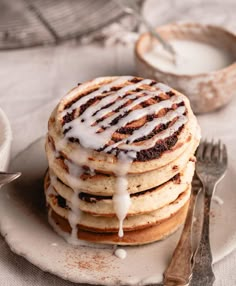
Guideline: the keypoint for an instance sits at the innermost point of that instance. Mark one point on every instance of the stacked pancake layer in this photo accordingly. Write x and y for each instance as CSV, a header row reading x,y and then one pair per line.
x,y
120,153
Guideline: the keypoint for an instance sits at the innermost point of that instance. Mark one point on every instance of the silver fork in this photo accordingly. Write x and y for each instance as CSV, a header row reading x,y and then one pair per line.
x,y
6,178
211,167
179,271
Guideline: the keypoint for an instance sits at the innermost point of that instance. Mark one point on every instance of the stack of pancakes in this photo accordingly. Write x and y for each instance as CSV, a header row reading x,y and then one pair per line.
x,y
120,153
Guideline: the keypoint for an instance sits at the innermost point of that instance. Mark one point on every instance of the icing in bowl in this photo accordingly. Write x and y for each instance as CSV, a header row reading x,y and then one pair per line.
x,y
207,90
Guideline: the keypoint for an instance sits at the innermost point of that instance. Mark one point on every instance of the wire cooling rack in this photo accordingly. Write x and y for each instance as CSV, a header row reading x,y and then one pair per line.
x,y
27,23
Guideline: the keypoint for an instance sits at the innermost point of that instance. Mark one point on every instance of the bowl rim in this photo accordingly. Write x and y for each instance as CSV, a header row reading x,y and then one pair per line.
x,y
7,130
139,54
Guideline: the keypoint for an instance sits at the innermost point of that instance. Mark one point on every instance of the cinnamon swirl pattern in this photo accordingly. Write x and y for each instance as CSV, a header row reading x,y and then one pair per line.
x,y
120,153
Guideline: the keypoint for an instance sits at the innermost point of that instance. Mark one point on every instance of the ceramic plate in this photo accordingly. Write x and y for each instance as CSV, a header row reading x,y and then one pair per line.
x,y
5,140
23,223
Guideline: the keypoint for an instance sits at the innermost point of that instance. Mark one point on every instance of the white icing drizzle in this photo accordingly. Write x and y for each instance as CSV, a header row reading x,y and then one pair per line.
x,y
218,200
120,253
75,172
163,87
92,172
94,135
50,190
74,213
57,154
148,127
76,242
53,179
54,244
121,198
90,137
135,114
103,88
162,135
116,105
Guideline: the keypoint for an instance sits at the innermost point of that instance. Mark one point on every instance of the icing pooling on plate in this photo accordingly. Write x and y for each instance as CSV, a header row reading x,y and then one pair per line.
x,y
94,128
120,253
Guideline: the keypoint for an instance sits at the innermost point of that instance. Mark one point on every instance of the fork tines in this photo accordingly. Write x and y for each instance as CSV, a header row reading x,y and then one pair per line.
x,y
212,151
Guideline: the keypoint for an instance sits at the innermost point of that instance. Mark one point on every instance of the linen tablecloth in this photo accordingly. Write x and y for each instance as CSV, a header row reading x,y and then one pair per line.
x,y
31,83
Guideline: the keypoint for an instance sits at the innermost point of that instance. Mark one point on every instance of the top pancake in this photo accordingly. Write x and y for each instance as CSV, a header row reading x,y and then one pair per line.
x,y
103,119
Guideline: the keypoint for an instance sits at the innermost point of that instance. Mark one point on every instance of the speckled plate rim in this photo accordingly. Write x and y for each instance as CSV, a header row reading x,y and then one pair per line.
x,y
155,255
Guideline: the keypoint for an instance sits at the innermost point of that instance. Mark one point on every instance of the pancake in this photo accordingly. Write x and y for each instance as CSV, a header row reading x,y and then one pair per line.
x,y
111,224
136,237
105,184
109,116
121,159
142,202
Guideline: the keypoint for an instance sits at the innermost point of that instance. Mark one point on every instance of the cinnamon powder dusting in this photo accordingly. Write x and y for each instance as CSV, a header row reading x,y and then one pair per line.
x,y
95,260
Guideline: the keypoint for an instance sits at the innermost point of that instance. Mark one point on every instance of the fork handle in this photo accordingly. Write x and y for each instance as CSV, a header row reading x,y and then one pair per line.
x,y
203,271
179,271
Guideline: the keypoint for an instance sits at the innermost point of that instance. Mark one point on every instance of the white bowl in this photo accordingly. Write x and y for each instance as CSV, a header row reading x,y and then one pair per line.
x,y
5,141
206,91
